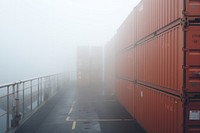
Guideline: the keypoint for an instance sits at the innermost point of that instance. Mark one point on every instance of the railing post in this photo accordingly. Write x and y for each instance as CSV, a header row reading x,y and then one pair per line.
x,y
49,87
23,112
54,84
57,82
8,109
31,96
13,106
41,93
18,99
17,115
15,111
38,98
45,89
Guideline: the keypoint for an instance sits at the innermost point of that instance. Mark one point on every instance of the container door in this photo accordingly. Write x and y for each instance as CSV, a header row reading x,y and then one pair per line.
x,y
193,115
192,7
193,59
192,67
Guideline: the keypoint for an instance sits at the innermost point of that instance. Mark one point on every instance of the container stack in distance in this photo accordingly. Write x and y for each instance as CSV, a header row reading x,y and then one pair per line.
x,y
89,66
109,65
157,65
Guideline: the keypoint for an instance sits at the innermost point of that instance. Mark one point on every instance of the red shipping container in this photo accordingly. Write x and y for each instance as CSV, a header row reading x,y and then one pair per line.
x,y
155,14
109,66
192,59
125,65
89,66
125,94
126,33
159,61
192,8
165,77
157,112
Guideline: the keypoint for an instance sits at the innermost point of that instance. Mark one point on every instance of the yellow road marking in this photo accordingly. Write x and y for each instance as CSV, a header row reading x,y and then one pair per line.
x,y
74,125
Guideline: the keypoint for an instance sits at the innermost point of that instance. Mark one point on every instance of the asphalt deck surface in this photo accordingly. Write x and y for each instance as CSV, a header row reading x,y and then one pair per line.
x,y
81,110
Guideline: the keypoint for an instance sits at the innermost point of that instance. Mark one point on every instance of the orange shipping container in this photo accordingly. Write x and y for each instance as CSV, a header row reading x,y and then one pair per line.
x,y
125,94
109,66
159,60
150,16
127,33
156,111
89,66
125,65
158,65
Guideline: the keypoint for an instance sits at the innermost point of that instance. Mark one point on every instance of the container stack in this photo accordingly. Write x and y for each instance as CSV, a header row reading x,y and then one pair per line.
x,y
89,66
109,65
157,62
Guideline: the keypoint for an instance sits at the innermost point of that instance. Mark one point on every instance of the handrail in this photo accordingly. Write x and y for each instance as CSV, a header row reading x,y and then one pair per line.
x,y
21,98
26,80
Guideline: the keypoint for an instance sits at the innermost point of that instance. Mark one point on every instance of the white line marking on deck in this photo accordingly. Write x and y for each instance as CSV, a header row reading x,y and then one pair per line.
x,y
70,111
67,119
73,103
101,120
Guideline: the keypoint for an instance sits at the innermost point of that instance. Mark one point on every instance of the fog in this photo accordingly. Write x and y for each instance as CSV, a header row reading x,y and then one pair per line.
x,y
39,37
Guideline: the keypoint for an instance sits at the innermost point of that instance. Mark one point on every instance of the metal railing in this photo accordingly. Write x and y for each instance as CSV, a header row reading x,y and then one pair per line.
x,y
20,99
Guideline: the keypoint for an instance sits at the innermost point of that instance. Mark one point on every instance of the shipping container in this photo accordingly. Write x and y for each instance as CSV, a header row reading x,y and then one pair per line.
x,y
156,111
165,57
157,64
124,92
89,66
109,66
153,15
125,65
160,60
126,34
149,16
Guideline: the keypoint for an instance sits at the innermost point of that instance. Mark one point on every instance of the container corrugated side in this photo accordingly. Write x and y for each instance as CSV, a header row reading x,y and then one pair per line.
x,y
127,36
125,94
109,66
157,112
159,61
125,65
155,14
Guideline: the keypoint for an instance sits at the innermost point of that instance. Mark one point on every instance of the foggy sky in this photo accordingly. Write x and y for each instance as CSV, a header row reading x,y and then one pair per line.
x,y
39,37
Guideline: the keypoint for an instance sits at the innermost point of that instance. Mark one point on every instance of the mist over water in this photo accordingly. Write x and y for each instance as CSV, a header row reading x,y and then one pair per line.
x,y
41,37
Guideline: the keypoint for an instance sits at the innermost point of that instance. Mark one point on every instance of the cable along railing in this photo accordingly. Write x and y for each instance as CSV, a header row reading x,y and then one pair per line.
x,y
18,100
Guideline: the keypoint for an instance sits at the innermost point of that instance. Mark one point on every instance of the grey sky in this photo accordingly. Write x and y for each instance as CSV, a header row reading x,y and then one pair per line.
x,y
39,37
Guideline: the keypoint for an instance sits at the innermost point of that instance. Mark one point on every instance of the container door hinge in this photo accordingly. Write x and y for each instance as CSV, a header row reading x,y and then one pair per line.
x,y
185,67
184,99
185,13
184,22
185,49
